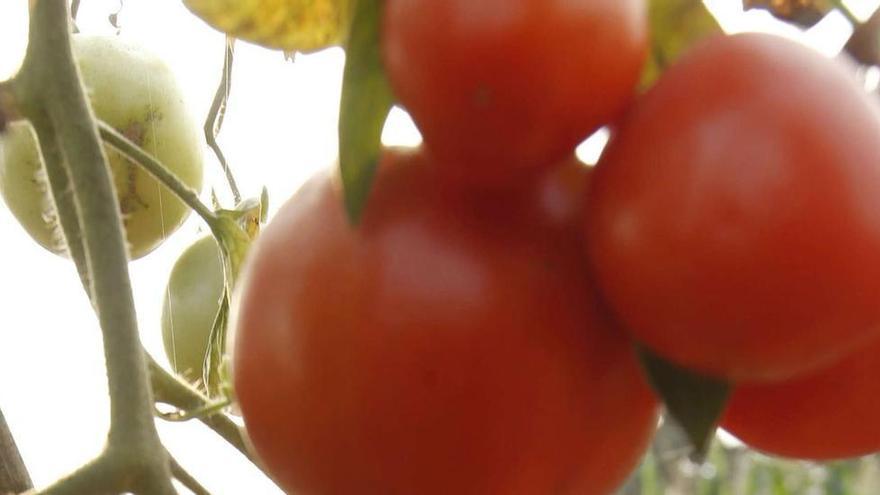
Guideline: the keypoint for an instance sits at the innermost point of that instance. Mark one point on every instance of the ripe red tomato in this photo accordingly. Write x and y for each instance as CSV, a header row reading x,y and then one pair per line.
x,y
502,87
829,414
734,221
447,345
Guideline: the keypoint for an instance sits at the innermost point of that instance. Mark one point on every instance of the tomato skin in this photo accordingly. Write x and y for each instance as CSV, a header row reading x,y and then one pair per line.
x,y
733,223
189,307
499,88
828,414
134,91
444,346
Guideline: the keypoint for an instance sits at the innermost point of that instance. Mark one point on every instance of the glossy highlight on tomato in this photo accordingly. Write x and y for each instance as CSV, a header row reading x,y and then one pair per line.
x,y
449,344
501,88
734,220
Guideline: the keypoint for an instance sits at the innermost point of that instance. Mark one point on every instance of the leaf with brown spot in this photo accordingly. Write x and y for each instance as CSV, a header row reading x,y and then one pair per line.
x,y
290,25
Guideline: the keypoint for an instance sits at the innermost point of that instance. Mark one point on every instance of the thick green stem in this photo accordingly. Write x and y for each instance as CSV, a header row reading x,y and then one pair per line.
x,y
14,477
8,107
67,110
48,92
74,9
52,95
167,388
91,478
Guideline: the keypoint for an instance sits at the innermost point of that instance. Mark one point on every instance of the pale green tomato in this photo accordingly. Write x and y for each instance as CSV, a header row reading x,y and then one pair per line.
x,y
191,301
136,93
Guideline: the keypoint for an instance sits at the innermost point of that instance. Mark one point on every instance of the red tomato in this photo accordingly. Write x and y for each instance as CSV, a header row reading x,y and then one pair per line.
x,y
502,87
734,221
447,345
829,414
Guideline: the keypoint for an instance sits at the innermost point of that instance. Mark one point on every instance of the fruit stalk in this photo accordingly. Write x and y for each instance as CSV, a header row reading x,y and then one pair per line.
x,y
52,96
152,166
14,476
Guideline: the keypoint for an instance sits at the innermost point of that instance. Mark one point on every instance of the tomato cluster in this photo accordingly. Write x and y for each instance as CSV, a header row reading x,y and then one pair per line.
x,y
449,344
453,341
733,226
472,333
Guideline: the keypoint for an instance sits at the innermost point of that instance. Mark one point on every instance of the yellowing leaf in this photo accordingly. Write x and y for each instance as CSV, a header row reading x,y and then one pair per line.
x,y
675,26
289,25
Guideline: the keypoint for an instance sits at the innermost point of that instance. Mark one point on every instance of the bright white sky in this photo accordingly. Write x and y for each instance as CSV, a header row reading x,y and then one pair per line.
x,y
280,128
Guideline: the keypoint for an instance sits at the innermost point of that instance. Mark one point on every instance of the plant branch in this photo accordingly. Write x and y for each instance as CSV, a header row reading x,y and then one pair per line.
x,y
8,108
181,475
172,391
63,201
52,95
67,110
91,478
74,9
153,167
14,477
214,121
167,388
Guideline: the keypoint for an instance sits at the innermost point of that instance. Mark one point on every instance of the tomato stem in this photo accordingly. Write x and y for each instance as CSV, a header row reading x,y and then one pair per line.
x,y
171,390
214,121
14,477
53,98
8,108
153,167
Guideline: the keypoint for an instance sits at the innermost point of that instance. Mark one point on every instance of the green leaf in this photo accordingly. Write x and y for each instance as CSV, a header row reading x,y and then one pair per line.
x,y
675,26
366,101
215,358
235,231
695,402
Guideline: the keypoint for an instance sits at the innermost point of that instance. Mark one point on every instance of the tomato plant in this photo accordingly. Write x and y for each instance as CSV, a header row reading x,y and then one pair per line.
x,y
828,414
501,87
191,302
733,222
449,344
459,324
144,103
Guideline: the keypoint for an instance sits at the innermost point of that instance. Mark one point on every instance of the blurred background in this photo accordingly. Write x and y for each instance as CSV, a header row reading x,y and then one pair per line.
x,y
279,129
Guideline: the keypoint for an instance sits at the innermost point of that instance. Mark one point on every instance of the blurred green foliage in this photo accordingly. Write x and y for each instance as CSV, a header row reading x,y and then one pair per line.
x,y
737,470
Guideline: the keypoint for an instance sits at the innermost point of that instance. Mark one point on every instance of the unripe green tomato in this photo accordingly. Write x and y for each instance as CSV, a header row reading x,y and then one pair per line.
x,y
191,301
136,93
